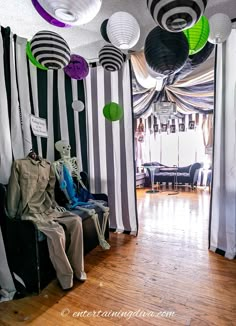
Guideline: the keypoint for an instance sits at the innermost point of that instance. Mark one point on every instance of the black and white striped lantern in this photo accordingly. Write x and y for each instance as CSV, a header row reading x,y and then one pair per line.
x,y
111,58
50,50
176,15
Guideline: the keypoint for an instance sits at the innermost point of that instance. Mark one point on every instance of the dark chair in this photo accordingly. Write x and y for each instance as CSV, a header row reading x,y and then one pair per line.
x,y
27,249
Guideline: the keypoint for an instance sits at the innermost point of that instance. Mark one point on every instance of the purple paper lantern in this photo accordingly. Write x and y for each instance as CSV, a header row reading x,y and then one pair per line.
x,y
51,20
77,68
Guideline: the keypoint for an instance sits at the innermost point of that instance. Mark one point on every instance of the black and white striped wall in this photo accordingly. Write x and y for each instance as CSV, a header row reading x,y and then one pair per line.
x,y
104,149
110,145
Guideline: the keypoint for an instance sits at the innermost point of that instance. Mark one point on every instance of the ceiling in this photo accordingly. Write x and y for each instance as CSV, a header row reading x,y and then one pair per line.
x,y
86,40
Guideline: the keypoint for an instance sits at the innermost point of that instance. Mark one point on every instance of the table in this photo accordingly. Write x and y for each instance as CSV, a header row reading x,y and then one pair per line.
x,y
152,169
172,169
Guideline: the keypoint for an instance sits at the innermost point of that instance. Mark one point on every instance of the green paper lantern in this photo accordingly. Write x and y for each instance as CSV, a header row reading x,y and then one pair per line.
x,y
32,58
113,111
198,35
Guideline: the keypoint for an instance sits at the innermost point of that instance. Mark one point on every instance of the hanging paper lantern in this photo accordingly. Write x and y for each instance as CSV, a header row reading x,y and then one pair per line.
x,y
123,30
50,50
72,12
198,35
78,106
176,15
113,111
166,52
220,28
32,58
111,58
51,20
103,30
77,68
202,55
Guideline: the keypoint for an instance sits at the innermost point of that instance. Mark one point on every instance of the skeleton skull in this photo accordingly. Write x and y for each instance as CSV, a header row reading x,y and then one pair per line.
x,y
63,147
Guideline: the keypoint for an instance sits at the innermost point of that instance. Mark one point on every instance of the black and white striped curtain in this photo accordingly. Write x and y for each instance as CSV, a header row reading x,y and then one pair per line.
x,y
223,200
26,90
111,145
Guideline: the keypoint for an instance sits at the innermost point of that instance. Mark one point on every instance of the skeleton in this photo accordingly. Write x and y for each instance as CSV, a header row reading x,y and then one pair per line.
x,y
70,163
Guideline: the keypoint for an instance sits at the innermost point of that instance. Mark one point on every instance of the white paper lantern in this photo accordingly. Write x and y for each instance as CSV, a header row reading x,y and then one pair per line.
x,y
78,106
72,12
123,30
220,28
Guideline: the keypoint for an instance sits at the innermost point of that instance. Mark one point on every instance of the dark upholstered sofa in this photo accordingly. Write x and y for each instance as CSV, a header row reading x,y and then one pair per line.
x,y
27,250
185,175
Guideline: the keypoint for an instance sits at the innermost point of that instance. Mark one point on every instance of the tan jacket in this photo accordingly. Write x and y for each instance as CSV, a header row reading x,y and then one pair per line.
x,y
30,188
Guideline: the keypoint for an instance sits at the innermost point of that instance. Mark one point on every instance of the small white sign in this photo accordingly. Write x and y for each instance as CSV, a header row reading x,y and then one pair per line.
x,y
39,126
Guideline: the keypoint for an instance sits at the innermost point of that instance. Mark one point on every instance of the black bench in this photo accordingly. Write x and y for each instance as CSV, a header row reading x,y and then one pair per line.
x,y
27,250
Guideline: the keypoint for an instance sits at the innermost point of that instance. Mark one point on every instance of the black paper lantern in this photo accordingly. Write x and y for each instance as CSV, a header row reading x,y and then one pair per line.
x,y
103,30
203,55
166,52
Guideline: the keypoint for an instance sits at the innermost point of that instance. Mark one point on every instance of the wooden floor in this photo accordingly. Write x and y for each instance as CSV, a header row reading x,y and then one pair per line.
x,y
166,269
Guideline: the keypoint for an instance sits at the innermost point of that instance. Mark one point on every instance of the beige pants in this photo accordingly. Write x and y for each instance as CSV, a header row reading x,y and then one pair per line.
x,y
66,261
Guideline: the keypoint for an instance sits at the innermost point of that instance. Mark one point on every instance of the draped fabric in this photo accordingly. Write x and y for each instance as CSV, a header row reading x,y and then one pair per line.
x,y
192,88
110,145
194,93
222,235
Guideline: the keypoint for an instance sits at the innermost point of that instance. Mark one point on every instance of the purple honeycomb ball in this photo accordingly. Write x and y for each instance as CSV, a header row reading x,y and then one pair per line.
x,y
77,68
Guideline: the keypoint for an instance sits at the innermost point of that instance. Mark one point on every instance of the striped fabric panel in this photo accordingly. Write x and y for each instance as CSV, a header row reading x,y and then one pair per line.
x,y
222,225
5,136
54,96
110,146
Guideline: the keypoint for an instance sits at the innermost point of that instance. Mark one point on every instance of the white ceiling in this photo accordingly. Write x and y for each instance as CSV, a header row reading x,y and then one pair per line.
x,y
86,40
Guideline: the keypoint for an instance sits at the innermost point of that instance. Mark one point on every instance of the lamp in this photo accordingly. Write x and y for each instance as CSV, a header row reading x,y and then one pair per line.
x,y
113,111
77,68
50,50
176,15
220,28
123,30
72,12
197,35
111,58
165,52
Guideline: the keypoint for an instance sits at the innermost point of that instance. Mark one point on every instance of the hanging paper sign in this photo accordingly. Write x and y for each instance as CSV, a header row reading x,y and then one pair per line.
x,y
39,126
164,127
172,129
156,128
181,127
191,125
